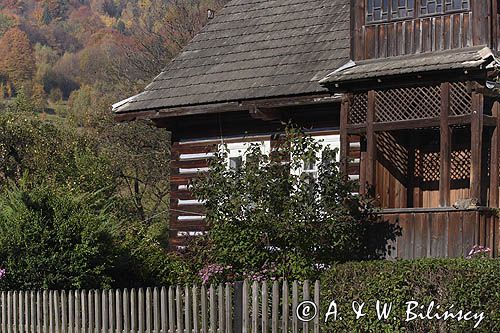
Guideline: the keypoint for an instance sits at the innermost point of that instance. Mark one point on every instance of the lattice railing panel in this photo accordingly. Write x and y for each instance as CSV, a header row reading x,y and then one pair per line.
x,y
358,109
460,99
427,166
408,103
460,164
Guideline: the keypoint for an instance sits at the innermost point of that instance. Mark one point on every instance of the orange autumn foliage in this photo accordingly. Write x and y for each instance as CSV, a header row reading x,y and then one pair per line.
x,y
17,61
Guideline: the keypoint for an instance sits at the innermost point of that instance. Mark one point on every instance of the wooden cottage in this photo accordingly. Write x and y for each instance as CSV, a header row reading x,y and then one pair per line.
x,y
407,89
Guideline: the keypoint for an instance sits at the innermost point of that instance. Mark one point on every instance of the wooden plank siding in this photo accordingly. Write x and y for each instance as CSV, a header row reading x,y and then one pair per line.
x,y
443,233
476,26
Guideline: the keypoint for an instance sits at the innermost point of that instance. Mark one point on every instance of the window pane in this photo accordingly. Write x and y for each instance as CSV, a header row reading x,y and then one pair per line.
x,y
429,7
235,162
377,10
402,9
452,5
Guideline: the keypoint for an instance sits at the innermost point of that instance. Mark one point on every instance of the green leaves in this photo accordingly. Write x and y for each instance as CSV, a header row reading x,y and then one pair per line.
x,y
270,213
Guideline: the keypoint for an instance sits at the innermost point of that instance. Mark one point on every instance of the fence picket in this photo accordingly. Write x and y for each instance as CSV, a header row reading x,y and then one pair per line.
x,y
213,310
97,311
20,302
171,313
295,303
38,311
229,306
45,304
245,316
9,312
14,311
140,306
178,308
111,314
204,319
317,302
221,312
84,312
27,312
265,308
4,312
90,301
196,328
156,311
148,310
118,309
32,312
133,310
104,312
57,313
78,327
71,311
126,311
307,296
275,307
187,309
285,310
255,307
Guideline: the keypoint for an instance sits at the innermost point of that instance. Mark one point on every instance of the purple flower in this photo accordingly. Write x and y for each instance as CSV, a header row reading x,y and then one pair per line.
x,y
2,273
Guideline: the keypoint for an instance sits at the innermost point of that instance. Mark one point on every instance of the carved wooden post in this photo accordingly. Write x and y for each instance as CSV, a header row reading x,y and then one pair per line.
x,y
445,147
494,167
344,140
476,146
371,140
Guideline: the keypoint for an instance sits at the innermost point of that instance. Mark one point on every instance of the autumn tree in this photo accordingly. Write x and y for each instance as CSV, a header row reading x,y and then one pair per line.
x,y
16,57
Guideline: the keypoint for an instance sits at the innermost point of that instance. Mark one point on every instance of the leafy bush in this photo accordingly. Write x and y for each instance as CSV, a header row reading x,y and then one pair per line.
x,y
467,284
54,238
267,218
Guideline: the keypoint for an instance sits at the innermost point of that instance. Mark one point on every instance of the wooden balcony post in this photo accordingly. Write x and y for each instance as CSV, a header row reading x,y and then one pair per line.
x,y
344,140
445,147
494,167
476,146
371,140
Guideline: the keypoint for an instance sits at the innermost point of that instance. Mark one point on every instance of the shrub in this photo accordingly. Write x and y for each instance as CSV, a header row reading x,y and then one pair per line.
x,y
267,218
467,284
54,238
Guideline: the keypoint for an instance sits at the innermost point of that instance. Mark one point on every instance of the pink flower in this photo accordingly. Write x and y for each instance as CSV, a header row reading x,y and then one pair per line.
x,y
2,273
478,250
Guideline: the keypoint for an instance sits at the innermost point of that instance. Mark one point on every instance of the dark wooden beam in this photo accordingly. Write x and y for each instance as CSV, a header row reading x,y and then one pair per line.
x,y
344,140
494,166
445,147
371,140
488,121
264,103
476,146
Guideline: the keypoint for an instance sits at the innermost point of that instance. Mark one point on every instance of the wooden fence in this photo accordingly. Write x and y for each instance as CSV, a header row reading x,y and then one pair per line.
x,y
238,307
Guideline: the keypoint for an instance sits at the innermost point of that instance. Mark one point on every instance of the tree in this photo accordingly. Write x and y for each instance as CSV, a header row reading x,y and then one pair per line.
x,y
52,238
16,57
268,218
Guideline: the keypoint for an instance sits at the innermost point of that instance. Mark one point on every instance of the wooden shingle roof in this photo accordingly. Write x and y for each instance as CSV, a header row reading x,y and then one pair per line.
x,y
476,57
253,49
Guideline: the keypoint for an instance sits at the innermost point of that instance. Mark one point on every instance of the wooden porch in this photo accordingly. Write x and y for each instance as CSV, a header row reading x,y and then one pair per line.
x,y
430,155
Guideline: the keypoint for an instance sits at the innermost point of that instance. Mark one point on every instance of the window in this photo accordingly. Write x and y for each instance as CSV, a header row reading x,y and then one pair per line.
x,y
330,141
388,10
402,9
237,152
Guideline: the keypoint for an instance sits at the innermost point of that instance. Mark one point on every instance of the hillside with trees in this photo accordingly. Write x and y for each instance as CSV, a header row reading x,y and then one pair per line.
x,y
51,49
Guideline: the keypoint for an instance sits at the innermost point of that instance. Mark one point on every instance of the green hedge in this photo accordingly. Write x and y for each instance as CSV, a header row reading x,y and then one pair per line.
x,y
469,285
